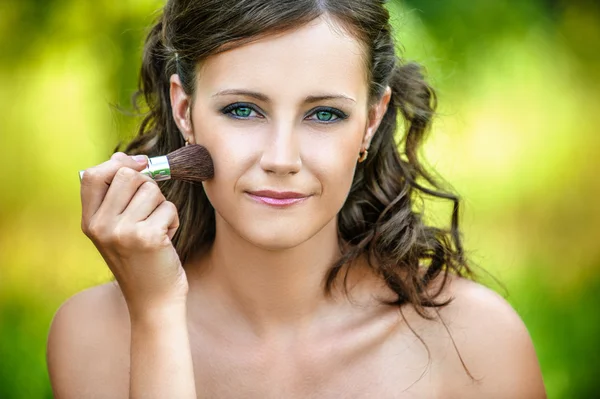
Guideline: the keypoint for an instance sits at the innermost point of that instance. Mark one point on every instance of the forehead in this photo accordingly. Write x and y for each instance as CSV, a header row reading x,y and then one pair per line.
x,y
319,56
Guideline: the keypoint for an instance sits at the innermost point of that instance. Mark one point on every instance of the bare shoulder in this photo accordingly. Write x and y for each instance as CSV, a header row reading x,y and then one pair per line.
x,y
88,345
492,341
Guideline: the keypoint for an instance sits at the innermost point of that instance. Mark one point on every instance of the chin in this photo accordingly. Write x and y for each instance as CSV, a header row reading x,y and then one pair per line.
x,y
275,237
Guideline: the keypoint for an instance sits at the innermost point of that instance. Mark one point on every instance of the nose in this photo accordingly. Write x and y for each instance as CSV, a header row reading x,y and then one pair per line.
x,y
281,154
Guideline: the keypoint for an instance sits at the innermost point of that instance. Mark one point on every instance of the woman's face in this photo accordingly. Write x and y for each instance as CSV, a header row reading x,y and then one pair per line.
x,y
285,114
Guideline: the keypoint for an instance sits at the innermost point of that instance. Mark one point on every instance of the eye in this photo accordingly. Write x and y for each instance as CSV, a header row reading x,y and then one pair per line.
x,y
241,111
328,115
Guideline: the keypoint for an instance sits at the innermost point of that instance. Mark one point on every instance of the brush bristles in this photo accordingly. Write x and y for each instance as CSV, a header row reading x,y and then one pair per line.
x,y
191,163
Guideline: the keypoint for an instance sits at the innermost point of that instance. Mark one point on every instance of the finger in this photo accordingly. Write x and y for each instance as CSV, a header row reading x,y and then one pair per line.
x,y
164,217
96,180
145,200
121,190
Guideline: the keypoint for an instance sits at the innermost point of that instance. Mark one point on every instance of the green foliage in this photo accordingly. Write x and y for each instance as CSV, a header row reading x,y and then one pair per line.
x,y
516,137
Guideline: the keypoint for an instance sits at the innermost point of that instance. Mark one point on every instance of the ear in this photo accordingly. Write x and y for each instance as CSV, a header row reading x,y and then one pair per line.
x,y
181,107
376,113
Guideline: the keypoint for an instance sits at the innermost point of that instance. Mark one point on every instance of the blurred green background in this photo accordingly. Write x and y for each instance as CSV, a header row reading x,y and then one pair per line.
x,y
517,137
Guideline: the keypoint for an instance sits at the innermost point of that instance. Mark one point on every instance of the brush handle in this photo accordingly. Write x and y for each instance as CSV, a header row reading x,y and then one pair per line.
x,y
158,169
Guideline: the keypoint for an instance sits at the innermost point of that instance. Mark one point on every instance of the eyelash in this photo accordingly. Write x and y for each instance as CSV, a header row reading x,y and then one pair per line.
x,y
340,116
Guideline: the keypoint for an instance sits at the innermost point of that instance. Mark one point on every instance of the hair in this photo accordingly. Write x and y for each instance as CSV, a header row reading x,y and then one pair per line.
x,y
379,218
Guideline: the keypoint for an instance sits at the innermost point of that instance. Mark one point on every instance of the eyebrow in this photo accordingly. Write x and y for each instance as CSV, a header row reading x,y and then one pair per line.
x,y
262,97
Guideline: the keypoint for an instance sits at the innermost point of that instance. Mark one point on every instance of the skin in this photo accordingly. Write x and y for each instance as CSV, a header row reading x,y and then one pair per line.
x,y
256,323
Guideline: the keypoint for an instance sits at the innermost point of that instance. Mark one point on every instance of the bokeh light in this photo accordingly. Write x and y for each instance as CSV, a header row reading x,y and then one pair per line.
x,y
516,137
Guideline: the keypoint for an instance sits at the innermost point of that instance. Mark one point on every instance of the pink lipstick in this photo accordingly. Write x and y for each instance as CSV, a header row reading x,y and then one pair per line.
x,y
277,198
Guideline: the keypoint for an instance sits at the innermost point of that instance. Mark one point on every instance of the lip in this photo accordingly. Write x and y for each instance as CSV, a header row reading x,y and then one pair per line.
x,y
277,198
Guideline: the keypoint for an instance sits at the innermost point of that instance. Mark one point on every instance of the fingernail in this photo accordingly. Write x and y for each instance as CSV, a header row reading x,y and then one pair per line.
x,y
139,158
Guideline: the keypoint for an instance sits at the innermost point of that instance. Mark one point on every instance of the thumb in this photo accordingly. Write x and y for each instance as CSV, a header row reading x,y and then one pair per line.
x,y
136,162
141,160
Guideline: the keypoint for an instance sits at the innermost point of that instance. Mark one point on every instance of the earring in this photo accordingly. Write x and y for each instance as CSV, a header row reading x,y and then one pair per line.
x,y
187,141
363,156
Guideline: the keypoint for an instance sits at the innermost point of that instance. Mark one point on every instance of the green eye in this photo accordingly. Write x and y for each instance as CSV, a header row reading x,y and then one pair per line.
x,y
242,112
328,115
325,116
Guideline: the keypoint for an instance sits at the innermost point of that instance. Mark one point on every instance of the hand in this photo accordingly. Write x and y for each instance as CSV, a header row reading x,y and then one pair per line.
x,y
131,224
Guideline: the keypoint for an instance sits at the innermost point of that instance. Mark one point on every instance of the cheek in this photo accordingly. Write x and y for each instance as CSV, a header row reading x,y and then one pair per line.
x,y
333,161
229,148
231,157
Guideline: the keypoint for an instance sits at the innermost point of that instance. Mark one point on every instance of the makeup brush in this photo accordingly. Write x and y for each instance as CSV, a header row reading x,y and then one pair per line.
x,y
191,163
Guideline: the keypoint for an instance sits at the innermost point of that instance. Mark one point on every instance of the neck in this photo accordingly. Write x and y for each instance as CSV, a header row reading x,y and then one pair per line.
x,y
267,289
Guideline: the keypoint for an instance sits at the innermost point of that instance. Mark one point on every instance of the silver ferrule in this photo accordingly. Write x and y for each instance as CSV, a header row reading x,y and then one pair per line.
x,y
158,169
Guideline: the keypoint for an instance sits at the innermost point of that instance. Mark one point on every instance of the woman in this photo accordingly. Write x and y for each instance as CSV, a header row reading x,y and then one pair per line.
x,y
302,269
